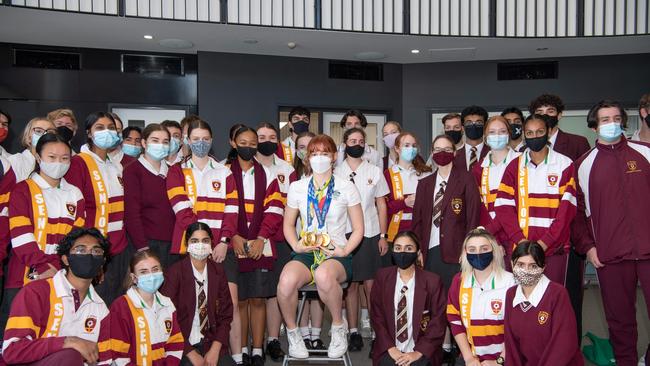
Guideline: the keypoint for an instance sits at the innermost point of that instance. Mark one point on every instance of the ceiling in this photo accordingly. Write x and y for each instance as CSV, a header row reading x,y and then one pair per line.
x,y
42,27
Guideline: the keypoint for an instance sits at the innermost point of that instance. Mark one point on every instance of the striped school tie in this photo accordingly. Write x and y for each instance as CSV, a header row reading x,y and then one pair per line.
x,y
402,317
202,306
472,157
437,204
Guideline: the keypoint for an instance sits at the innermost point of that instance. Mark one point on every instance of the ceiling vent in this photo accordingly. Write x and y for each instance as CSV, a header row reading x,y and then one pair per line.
x,y
42,59
153,64
527,70
353,70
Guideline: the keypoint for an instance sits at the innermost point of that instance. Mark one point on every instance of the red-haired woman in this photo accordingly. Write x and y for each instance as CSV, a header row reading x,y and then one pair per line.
x,y
322,254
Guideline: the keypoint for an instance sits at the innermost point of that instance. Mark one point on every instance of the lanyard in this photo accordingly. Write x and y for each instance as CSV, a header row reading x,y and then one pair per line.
x,y
318,202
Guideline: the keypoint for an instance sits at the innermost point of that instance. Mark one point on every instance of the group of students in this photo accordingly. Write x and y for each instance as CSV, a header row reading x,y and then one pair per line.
x,y
198,258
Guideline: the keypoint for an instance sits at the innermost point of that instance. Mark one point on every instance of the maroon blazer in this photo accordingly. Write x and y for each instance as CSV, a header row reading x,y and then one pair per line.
x,y
461,212
428,318
459,160
180,286
573,146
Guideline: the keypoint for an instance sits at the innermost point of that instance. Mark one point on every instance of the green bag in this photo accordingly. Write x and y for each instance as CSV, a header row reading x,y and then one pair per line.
x,y
599,352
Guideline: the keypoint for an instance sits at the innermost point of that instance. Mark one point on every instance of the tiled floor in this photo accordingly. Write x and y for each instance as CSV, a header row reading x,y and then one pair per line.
x,y
593,315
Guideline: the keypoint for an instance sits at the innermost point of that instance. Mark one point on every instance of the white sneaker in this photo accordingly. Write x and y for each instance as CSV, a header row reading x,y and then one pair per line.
x,y
297,347
339,342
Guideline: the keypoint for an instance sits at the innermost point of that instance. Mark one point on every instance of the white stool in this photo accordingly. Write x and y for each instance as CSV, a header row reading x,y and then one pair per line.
x,y
316,355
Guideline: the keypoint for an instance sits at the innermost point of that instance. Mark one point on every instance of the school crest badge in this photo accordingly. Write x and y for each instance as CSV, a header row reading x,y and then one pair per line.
x,y
552,179
216,185
632,167
457,205
168,326
71,208
90,323
369,181
542,317
496,306
281,178
424,322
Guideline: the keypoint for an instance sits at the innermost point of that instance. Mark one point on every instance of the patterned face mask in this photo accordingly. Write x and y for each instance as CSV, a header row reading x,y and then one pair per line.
x,y
527,277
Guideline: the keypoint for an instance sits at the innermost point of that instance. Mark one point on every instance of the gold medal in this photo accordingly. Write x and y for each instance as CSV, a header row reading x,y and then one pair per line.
x,y
309,239
326,240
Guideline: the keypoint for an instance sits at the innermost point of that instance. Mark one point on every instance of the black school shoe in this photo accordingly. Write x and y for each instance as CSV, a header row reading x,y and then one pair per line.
x,y
274,350
307,343
257,360
356,342
245,359
319,345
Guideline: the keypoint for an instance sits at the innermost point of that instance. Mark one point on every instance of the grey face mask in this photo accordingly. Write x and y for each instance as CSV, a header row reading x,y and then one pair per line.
x,y
527,277
200,148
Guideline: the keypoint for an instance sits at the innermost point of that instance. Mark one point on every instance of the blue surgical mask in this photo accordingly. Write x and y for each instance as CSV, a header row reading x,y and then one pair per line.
x,y
408,153
497,142
200,148
150,282
105,139
35,138
610,132
131,150
174,145
480,261
157,151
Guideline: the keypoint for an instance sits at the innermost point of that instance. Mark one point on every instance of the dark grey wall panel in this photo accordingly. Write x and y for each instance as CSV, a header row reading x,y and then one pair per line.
x,y
251,88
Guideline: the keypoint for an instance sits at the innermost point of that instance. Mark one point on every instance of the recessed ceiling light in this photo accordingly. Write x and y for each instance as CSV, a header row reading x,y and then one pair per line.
x,y
542,49
415,51
370,55
250,41
176,43
148,36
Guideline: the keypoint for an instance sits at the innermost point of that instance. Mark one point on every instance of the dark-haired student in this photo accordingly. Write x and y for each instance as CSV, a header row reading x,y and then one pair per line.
x,y
131,146
473,150
407,309
298,124
403,179
613,180
100,180
283,172
176,144
149,217
5,122
356,119
540,326
515,118
116,152
389,132
42,210
62,320
205,309
261,206
202,189
536,198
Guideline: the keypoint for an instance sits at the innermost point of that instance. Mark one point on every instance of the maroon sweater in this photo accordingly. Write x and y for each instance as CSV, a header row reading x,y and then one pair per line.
x,y
148,215
613,200
544,335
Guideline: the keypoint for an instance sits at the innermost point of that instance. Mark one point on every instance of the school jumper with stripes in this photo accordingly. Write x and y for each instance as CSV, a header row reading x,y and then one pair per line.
x,y
538,203
7,184
43,314
142,335
284,173
401,182
100,182
208,195
40,216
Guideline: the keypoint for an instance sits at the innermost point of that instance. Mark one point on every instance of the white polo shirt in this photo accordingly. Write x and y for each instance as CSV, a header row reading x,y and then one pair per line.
x,y
281,170
370,154
23,164
345,195
371,184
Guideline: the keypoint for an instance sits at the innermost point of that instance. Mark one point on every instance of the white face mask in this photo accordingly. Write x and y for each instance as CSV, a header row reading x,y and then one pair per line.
x,y
54,170
199,251
320,163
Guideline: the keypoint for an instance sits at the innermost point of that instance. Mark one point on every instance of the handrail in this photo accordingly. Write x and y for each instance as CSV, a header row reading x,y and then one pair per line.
x,y
459,18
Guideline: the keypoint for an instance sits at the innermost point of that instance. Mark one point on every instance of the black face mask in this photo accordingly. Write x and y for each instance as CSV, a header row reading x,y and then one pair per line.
x,y
404,260
552,121
267,148
65,132
515,131
85,265
455,135
474,131
537,143
300,127
355,151
246,152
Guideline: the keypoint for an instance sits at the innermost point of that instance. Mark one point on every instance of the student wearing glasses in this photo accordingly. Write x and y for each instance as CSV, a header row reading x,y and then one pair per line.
x,y
62,320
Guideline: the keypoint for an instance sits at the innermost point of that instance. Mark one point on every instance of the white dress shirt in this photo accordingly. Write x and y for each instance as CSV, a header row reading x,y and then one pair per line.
x,y
409,345
195,333
434,238
468,153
